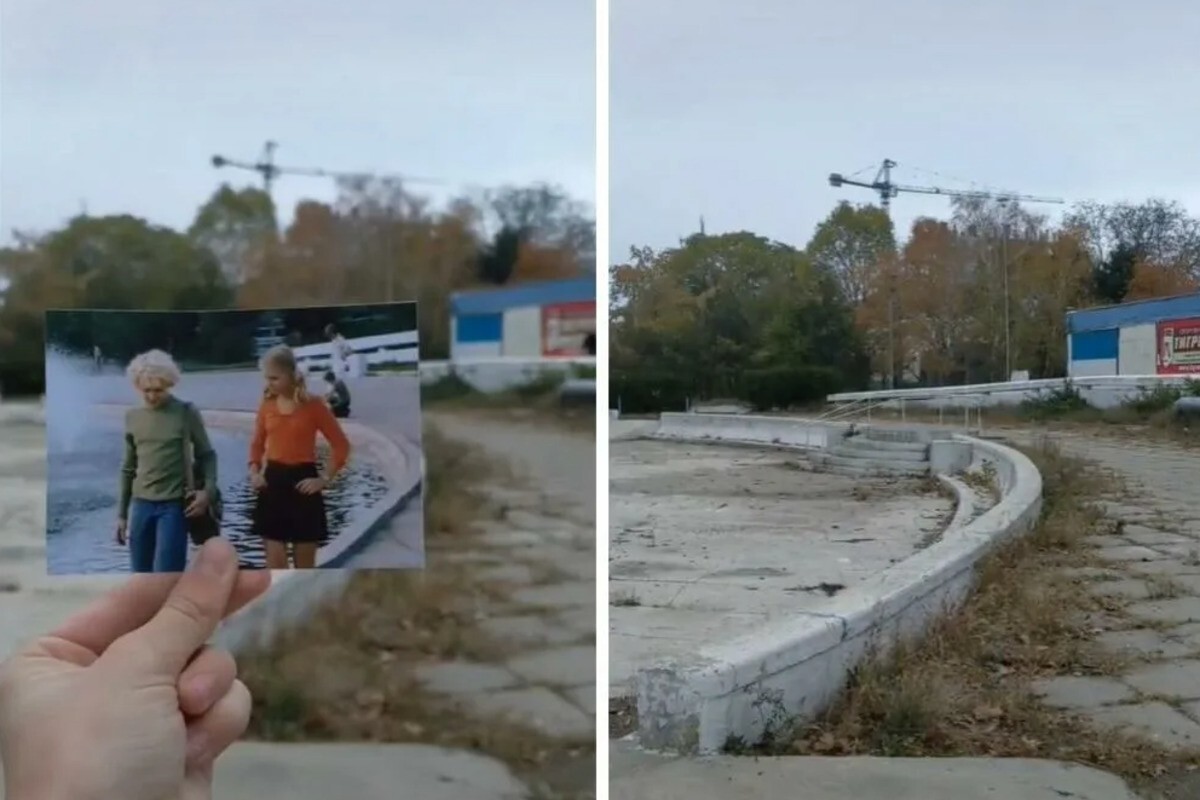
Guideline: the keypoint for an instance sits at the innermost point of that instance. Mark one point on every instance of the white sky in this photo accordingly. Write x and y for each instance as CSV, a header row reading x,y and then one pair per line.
x,y
739,111
122,104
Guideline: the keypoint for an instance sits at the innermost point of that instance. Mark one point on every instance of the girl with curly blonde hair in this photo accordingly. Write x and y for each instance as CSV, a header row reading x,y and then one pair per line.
x,y
290,508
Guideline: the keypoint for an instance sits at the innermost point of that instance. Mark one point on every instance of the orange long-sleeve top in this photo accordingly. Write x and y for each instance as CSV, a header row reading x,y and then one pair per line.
x,y
292,438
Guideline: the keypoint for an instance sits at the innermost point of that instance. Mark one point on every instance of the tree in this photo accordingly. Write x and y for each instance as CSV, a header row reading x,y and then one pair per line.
x,y
239,227
119,262
1159,231
1112,276
549,217
850,243
1150,280
1050,277
720,315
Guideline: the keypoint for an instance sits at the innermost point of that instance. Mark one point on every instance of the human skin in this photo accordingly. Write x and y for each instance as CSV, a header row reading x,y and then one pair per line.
x,y
125,699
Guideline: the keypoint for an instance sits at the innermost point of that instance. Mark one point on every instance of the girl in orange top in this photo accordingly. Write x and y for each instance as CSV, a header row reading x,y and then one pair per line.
x,y
290,508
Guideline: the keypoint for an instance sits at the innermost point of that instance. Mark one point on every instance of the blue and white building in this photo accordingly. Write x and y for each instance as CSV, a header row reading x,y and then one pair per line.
x,y
1123,339
511,322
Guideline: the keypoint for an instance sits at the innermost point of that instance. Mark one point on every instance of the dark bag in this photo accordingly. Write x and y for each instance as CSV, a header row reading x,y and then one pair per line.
x,y
207,525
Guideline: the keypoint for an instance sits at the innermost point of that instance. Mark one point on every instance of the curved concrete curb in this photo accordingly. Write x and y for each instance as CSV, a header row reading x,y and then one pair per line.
x,y
745,688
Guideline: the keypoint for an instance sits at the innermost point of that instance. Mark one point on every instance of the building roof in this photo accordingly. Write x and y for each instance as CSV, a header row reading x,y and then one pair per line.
x,y
539,293
1138,312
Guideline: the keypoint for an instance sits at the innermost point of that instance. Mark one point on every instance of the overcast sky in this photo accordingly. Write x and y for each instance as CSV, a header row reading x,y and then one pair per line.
x,y
121,104
739,111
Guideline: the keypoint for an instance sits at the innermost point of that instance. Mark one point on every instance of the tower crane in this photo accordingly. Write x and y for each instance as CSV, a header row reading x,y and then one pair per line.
x,y
888,189
270,171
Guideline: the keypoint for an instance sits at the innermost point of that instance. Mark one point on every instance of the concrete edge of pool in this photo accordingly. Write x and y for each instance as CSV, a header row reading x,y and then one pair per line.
x,y
797,666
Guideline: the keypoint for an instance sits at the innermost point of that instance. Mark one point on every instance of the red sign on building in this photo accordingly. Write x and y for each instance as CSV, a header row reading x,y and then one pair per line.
x,y
1179,347
567,329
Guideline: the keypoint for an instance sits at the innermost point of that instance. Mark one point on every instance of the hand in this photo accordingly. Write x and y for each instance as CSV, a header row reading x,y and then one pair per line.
x,y
124,700
198,505
257,481
122,530
311,485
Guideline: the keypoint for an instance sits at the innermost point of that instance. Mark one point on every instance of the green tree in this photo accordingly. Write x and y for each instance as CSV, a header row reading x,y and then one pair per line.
x,y
735,315
118,262
238,226
850,244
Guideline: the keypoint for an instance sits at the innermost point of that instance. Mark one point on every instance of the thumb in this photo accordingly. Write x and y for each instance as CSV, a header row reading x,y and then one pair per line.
x,y
191,612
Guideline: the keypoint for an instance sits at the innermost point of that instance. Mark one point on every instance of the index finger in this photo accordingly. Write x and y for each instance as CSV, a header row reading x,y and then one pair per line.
x,y
132,605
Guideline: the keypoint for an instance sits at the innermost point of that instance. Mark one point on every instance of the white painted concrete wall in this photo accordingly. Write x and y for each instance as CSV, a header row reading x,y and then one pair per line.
x,y
1137,350
1093,368
523,332
1102,392
475,350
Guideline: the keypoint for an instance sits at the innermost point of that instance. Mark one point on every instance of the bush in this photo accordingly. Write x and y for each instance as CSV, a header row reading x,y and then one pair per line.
x,y
646,393
1054,403
784,387
448,387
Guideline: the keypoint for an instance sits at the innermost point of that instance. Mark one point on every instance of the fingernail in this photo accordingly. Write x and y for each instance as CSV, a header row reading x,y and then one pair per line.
x,y
213,558
201,687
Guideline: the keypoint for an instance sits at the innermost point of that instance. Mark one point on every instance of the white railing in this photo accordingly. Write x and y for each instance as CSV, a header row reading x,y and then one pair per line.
x,y
388,348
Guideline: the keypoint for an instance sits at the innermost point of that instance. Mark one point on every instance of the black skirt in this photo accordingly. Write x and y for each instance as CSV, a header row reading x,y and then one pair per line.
x,y
282,513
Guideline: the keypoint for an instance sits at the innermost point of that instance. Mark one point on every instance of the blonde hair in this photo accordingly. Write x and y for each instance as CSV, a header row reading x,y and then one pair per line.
x,y
153,365
282,358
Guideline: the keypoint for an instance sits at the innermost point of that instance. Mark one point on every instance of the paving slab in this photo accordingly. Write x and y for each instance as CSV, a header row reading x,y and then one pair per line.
x,y
563,666
1157,721
255,771
1178,679
1174,610
860,778
1144,643
459,677
1081,692
538,706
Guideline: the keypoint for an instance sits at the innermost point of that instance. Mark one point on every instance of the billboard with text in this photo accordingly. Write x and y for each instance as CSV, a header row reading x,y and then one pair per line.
x,y
1179,347
569,329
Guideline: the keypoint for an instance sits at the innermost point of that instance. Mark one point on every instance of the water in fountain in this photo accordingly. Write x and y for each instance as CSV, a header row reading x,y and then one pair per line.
x,y
71,384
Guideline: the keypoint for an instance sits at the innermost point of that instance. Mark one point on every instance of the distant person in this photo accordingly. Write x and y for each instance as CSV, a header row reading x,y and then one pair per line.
x,y
341,351
290,509
589,344
151,512
97,358
337,394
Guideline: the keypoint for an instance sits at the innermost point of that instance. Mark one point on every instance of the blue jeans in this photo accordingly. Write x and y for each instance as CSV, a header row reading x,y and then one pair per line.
x,y
158,537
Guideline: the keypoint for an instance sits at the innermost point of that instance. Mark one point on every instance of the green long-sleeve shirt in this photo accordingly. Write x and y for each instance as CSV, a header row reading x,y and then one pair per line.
x,y
155,463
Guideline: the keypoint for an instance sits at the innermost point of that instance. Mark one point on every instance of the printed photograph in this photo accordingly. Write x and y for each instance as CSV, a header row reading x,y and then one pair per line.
x,y
295,433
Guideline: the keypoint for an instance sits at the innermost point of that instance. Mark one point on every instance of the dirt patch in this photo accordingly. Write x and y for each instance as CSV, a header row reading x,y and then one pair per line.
x,y
348,674
622,717
965,688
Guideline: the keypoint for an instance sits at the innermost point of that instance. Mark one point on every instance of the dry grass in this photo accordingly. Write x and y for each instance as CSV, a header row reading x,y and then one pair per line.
x,y
964,689
347,674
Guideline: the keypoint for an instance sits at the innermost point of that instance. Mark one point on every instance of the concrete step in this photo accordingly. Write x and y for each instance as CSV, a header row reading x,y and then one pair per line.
x,y
865,443
882,434
866,451
869,466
